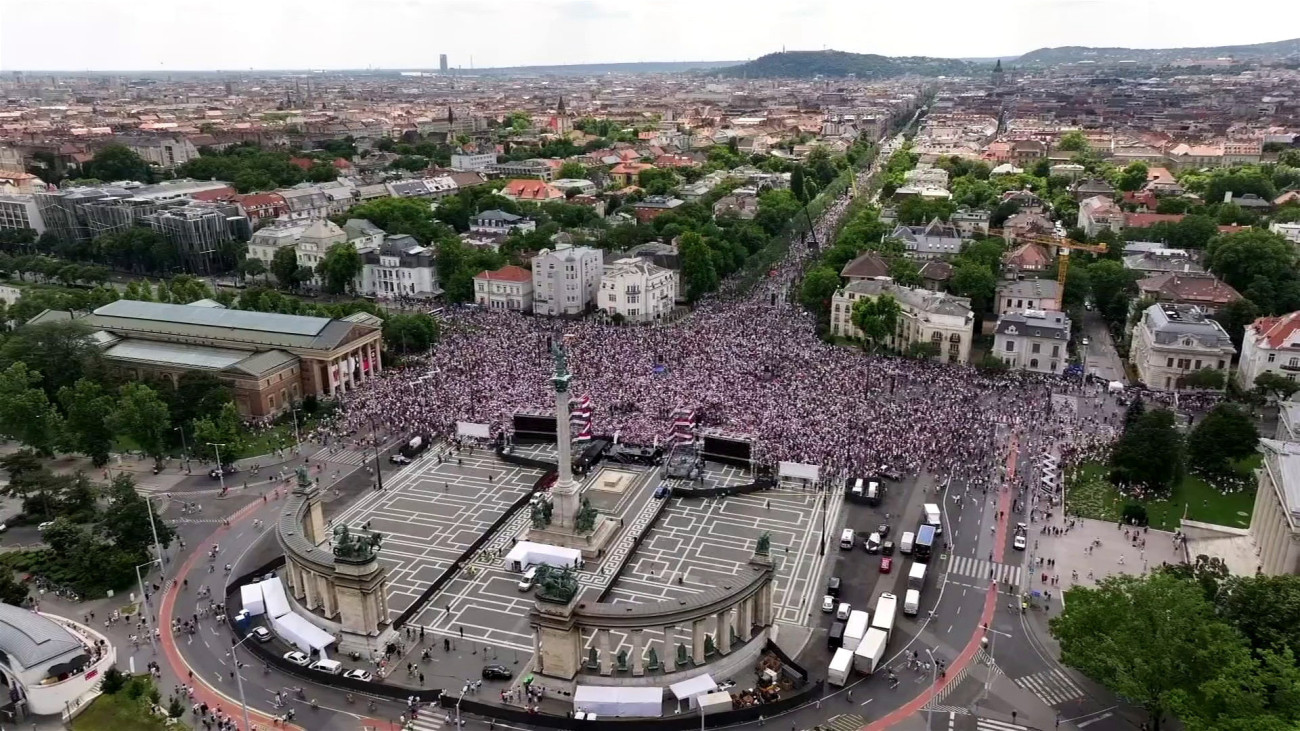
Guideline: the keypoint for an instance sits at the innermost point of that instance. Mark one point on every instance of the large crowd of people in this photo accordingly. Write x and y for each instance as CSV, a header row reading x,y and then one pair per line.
x,y
746,360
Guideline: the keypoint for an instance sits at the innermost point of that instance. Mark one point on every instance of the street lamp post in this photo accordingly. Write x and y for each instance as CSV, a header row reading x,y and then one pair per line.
x,y
144,604
221,469
934,679
297,440
239,682
185,450
379,473
153,528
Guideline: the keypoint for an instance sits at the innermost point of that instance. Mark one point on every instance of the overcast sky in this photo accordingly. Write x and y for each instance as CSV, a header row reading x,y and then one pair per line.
x,y
404,34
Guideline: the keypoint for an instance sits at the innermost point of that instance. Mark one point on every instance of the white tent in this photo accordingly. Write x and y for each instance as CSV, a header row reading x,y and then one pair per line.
x,y
276,603
251,597
618,701
691,687
526,553
302,634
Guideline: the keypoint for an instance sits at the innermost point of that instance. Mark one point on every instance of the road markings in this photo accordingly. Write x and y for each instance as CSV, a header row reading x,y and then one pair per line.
x,y
1095,719
979,568
1053,687
863,703
988,724
845,722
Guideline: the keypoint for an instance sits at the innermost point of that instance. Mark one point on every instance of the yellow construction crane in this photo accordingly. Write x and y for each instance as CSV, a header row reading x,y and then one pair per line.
x,y
1063,247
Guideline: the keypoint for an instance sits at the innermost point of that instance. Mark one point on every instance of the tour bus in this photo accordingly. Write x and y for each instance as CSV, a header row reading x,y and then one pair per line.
x,y
924,544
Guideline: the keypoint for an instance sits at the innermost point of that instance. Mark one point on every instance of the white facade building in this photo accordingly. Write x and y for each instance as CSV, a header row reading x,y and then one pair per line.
x,y
638,290
1289,231
1171,341
475,162
399,266
270,239
1033,340
566,280
507,288
926,317
314,242
1270,345
1275,521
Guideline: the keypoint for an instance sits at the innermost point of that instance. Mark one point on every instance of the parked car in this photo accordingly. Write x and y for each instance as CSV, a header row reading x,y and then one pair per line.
x,y
496,672
297,658
873,543
662,492
261,634
529,579
887,548
397,458
828,603
44,525
883,530
886,565
359,674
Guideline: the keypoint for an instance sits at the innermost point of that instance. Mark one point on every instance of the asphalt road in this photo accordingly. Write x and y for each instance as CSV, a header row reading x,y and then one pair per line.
x,y
1103,359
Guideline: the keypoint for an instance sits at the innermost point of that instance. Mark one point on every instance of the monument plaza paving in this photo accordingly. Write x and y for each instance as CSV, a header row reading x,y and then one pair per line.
x,y
430,513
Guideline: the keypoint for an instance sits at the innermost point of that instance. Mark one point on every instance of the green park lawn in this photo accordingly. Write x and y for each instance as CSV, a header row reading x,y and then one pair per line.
x,y
1091,495
119,713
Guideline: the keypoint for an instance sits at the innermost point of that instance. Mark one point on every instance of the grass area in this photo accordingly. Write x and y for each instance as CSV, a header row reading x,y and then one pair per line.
x,y
1090,494
119,713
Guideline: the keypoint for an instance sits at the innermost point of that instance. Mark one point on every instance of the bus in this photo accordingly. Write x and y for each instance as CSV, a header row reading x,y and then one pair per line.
x,y
924,544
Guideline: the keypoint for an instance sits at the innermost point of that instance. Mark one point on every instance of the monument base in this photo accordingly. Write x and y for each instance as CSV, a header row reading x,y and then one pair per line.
x,y
592,544
365,645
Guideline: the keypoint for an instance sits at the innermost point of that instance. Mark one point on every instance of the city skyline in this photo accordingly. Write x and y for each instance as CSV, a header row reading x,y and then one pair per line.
x,y
294,34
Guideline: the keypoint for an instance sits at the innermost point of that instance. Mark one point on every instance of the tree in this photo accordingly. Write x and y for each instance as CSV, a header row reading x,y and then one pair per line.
x,y
698,273
1241,258
877,317
88,408
905,272
1205,378
196,395
11,592
1265,608
1235,316
127,519
61,352
817,289
284,265
1225,435
340,267
225,430
1150,452
1275,385
970,279
1155,641
410,333
798,185
143,417
251,268
1002,212
1134,412
322,172
1072,141
118,162
573,169
1113,287
1132,177
26,414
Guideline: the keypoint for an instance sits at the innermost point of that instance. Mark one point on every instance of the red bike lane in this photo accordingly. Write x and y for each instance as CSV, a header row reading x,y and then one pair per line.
x,y
986,615
203,691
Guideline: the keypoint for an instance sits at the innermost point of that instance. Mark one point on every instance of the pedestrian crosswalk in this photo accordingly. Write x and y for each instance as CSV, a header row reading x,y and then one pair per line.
x,y
978,568
427,721
1052,687
347,455
988,724
845,722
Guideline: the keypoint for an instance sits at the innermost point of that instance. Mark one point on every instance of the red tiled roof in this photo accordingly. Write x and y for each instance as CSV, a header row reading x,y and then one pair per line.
x,y
1232,229
303,162
342,164
1142,220
219,194
1190,289
507,273
1276,330
528,189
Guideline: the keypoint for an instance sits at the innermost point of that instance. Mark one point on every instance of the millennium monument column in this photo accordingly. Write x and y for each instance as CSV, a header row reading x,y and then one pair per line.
x,y
565,494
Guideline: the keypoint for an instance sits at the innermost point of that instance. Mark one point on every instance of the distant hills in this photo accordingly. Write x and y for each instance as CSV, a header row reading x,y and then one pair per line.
x,y
1079,54
870,66
595,69
803,64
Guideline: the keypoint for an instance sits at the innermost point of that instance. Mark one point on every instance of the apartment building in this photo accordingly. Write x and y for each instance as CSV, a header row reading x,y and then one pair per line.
x,y
1170,341
926,317
1033,340
636,290
20,212
566,280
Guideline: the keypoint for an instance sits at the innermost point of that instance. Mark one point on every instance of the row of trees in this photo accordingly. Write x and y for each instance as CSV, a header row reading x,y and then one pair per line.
x,y
1190,643
249,168
1151,455
101,532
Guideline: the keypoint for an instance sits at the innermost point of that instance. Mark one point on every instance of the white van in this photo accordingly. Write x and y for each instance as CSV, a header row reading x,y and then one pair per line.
x,y
912,602
333,667
916,576
526,581
842,613
905,545
847,539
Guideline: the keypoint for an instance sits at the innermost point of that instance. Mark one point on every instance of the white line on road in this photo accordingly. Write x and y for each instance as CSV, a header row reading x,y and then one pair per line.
x,y
1095,719
863,703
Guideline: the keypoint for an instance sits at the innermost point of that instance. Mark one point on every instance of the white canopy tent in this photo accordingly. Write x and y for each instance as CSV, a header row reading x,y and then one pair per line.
x,y
690,688
276,603
619,701
302,634
527,553
251,597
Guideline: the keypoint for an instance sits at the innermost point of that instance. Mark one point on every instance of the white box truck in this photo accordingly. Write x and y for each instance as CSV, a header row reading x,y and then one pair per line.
x,y
912,602
871,651
886,607
837,673
916,576
856,628
932,517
